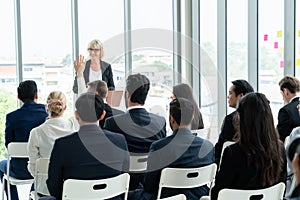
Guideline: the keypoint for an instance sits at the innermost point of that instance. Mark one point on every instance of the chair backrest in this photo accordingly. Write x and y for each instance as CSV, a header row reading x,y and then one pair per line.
x,y
138,163
96,189
226,144
274,192
41,173
17,150
176,197
186,177
203,133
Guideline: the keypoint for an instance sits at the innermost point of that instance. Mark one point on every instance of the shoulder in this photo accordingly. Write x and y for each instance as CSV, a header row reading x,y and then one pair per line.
x,y
67,138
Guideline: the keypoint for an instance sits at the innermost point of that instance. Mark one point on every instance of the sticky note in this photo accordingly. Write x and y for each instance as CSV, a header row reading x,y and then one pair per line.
x,y
298,62
281,64
298,33
276,45
266,37
282,50
279,33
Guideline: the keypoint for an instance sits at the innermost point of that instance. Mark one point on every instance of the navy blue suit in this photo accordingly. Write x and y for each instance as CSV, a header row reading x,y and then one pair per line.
x,y
140,129
180,150
288,118
107,75
92,153
18,126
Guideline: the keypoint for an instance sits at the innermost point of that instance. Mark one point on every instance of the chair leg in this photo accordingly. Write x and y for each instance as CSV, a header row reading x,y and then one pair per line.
x,y
8,190
3,183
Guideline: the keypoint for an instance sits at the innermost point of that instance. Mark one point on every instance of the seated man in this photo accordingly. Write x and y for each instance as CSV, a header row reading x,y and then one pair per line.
x,y
18,126
180,150
139,127
90,153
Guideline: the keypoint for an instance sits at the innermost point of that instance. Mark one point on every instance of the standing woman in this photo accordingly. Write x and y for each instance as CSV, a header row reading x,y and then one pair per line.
x,y
185,91
41,138
95,68
258,159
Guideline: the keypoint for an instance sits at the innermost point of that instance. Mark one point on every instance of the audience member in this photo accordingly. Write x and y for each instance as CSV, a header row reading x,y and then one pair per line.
x,y
18,126
228,132
180,150
42,138
95,68
139,127
258,159
183,90
90,153
296,167
288,116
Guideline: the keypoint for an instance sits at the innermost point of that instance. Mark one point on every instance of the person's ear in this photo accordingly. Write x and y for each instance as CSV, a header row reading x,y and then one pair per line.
x,y
36,96
103,115
76,115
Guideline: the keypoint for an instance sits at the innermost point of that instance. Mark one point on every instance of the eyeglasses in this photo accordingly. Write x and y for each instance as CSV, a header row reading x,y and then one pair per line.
x,y
95,50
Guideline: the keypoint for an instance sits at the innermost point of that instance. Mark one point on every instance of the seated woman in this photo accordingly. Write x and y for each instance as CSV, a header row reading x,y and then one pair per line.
x,y
42,138
185,91
258,158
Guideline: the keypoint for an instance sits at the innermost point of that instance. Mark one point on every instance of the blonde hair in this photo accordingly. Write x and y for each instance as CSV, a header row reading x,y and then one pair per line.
x,y
98,44
56,103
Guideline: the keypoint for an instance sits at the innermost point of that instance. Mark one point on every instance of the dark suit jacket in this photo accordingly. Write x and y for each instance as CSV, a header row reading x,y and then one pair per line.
x,y
109,113
140,129
237,171
180,150
227,133
288,118
107,75
92,153
18,126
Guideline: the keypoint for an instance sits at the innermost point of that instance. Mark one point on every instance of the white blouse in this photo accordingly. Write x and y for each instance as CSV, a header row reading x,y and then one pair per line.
x,y
41,141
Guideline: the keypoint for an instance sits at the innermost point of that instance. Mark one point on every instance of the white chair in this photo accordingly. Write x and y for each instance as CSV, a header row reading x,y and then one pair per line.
x,y
96,189
15,150
176,197
203,133
274,192
138,163
226,144
186,177
40,175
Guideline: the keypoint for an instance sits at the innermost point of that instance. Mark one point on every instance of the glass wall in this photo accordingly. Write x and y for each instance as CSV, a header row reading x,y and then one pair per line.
x,y
297,45
271,49
8,71
209,73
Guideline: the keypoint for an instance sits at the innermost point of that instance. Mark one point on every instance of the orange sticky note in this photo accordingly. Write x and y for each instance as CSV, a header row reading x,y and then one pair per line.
x,y
276,45
279,33
298,62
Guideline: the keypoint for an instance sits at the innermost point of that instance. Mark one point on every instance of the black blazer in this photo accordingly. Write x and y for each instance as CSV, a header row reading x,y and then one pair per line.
x,y
109,113
90,153
19,123
237,171
140,129
227,133
288,118
180,150
107,75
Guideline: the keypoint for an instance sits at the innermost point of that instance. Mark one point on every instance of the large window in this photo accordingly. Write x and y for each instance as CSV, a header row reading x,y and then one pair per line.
x,y
8,71
152,50
47,50
271,43
209,74
297,46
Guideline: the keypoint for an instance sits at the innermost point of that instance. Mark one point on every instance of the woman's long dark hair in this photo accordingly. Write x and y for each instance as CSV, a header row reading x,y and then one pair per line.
x,y
185,91
259,138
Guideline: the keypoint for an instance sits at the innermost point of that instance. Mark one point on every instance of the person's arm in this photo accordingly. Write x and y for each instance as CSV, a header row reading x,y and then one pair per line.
x,y
79,86
33,150
55,172
110,80
284,124
9,133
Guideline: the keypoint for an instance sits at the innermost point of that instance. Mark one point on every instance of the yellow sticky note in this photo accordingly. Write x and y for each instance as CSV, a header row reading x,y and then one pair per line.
x,y
298,62
282,50
298,33
279,33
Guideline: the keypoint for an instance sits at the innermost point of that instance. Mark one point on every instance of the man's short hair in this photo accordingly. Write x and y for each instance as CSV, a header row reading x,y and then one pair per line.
x,y
93,86
89,107
182,110
242,87
291,83
102,89
138,86
27,90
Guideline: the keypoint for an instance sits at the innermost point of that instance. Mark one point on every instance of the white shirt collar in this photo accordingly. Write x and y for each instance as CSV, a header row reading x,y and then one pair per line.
x,y
293,98
134,107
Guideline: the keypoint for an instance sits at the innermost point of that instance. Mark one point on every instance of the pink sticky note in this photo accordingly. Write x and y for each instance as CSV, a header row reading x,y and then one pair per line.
x,y
266,37
281,64
276,45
